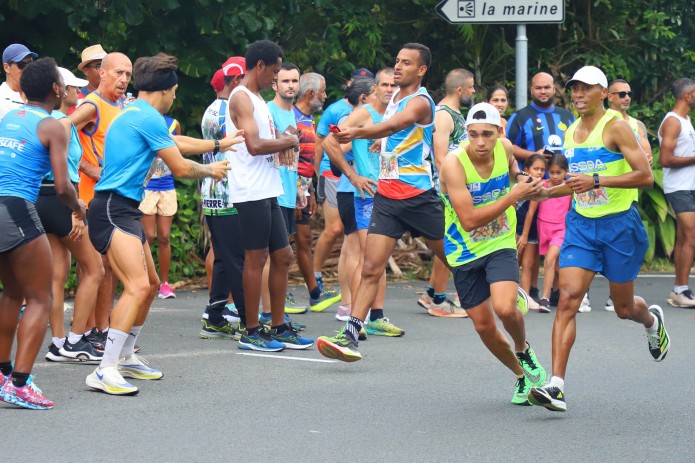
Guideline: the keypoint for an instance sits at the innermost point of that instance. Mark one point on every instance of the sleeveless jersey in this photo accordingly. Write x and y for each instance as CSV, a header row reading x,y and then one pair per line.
x,y
592,156
680,178
461,246
74,152
92,140
457,136
253,178
23,159
162,179
214,195
366,162
412,145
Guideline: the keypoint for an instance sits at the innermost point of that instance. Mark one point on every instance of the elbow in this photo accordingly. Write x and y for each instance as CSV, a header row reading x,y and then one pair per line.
x,y
648,180
467,225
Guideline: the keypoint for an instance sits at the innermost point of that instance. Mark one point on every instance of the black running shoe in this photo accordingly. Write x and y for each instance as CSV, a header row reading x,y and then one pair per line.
x,y
96,339
54,355
550,397
554,297
82,350
659,341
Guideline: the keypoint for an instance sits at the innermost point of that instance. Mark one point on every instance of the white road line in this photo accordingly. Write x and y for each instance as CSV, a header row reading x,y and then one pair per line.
x,y
287,358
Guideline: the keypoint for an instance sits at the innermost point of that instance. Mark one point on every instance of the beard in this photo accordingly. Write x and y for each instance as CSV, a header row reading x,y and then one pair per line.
x,y
466,101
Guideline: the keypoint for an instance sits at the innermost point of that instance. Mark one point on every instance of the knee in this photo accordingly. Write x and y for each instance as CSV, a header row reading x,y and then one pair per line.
x,y
164,239
283,257
570,297
140,289
485,328
371,270
508,312
625,310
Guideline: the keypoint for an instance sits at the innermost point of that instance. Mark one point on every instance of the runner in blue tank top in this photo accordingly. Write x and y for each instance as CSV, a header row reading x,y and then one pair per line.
x,y
31,143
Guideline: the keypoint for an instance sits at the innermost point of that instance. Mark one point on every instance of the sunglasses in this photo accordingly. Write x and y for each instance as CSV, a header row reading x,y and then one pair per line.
x,y
22,64
622,94
95,66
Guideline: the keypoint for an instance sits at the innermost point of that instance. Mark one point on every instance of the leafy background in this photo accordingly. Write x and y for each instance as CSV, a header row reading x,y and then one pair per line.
x,y
648,42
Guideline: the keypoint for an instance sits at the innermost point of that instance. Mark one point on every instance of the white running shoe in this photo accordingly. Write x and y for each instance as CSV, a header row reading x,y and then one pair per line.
x,y
585,306
343,313
109,380
137,367
609,307
684,299
446,309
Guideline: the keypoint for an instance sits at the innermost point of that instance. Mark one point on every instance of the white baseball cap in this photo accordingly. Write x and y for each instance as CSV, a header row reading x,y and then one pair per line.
x,y
490,115
590,75
70,79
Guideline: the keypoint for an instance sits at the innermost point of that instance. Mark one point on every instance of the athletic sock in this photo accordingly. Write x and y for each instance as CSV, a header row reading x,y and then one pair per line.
x,y
375,314
354,326
557,382
58,342
87,333
680,289
253,331
655,325
438,298
73,338
19,379
6,368
114,344
430,291
315,293
279,329
128,348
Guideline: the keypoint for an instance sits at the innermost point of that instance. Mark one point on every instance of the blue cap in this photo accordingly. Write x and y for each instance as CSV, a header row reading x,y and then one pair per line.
x,y
16,53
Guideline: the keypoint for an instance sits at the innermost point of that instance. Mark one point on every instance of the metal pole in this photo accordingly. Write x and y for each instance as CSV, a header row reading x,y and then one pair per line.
x,y
521,66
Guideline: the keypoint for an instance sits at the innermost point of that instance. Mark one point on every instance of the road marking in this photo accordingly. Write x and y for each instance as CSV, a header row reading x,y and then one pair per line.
x,y
287,358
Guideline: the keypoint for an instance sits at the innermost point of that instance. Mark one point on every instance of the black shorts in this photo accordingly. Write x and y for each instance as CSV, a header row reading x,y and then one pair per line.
x,y
55,216
108,212
473,279
421,215
19,223
682,201
262,225
346,210
521,213
306,216
288,216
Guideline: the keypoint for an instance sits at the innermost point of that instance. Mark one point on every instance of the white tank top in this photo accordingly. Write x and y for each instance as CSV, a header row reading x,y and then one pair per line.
x,y
680,178
253,178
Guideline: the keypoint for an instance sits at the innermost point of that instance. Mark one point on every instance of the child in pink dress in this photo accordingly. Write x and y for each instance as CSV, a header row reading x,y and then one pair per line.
x,y
551,226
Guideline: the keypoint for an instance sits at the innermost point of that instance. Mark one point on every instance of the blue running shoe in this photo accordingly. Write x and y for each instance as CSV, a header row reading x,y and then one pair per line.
x,y
260,341
290,339
266,320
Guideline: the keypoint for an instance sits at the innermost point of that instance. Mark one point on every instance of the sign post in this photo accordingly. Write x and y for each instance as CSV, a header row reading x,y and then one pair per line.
x,y
507,12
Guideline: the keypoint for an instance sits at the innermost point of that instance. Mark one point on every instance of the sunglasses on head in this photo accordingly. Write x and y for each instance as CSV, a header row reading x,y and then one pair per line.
x,y
622,94
22,64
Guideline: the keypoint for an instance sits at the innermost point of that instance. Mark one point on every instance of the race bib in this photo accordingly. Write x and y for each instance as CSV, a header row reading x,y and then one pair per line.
x,y
492,230
592,198
388,166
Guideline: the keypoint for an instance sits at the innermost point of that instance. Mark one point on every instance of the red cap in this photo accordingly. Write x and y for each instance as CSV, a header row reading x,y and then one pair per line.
x,y
217,81
234,66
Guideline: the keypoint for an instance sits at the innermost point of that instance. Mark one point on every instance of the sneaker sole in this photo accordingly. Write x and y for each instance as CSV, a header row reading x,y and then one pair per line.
x,y
246,346
58,359
81,357
24,404
218,336
342,318
542,310
383,333
332,351
423,305
525,403
323,305
675,303
171,296
297,346
296,310
668,346
536,398
99,385
445,314
127,373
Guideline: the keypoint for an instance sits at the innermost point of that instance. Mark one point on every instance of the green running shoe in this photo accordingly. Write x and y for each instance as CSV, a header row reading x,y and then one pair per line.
x,y
223,331
521,390
383,327
327,298
522,300
292,307
340,347
533,370
659,341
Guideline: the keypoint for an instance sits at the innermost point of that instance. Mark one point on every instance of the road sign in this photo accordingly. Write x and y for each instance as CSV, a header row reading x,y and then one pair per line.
x,y
502,11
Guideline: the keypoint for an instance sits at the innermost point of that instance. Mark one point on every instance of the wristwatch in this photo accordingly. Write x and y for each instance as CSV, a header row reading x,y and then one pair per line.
x,y
597,183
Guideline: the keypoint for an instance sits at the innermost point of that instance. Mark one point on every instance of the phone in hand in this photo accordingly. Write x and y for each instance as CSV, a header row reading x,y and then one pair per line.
x,y
333,128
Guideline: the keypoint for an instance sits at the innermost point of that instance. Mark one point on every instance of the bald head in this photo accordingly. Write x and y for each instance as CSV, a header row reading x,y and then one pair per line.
x,y
543,89
115,59
116,71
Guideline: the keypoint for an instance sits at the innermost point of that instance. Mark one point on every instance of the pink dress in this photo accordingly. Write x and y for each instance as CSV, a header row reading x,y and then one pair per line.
x,y
551,221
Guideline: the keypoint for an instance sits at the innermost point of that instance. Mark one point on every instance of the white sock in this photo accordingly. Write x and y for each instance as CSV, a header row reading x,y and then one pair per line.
x,y
73,338
558,382
655,325
317,274
58,342
129,344
679,289
114,344
87,333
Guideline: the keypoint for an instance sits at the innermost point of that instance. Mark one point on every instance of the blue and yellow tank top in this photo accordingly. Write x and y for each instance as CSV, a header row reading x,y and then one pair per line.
x,y
366,162
412,145
592,156
461,246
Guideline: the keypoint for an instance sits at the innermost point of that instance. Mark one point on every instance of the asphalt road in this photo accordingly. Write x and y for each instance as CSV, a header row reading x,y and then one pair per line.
x,y
435,395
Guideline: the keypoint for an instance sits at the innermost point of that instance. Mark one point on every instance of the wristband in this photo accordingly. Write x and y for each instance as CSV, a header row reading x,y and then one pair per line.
x,y
516,177
597,183
217,147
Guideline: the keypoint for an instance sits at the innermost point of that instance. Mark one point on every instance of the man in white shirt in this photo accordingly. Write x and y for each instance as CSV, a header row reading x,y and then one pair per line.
x,y
14,59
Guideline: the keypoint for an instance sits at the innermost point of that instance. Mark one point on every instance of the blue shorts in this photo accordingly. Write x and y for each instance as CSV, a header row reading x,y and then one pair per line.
x,y
613,245
363,211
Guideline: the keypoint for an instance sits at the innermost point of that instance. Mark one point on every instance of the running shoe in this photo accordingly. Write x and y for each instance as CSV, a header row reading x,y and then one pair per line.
x,y
343,313
425,301
609,307
109,380
267,320
260,341
533,370
3,380
457,301
534,293
82,351
27,396
521,389
683,299
327,298
383,327
544,306
137,367
290,339
550,397
446,309
292,307
362,336
97,339
340,347
165,291
532,304
585,306
230,313
222,331
659,341
54,355
522,300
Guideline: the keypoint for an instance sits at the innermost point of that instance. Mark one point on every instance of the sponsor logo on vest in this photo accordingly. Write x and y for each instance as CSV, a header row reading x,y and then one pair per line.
x,y
587,166
12,144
